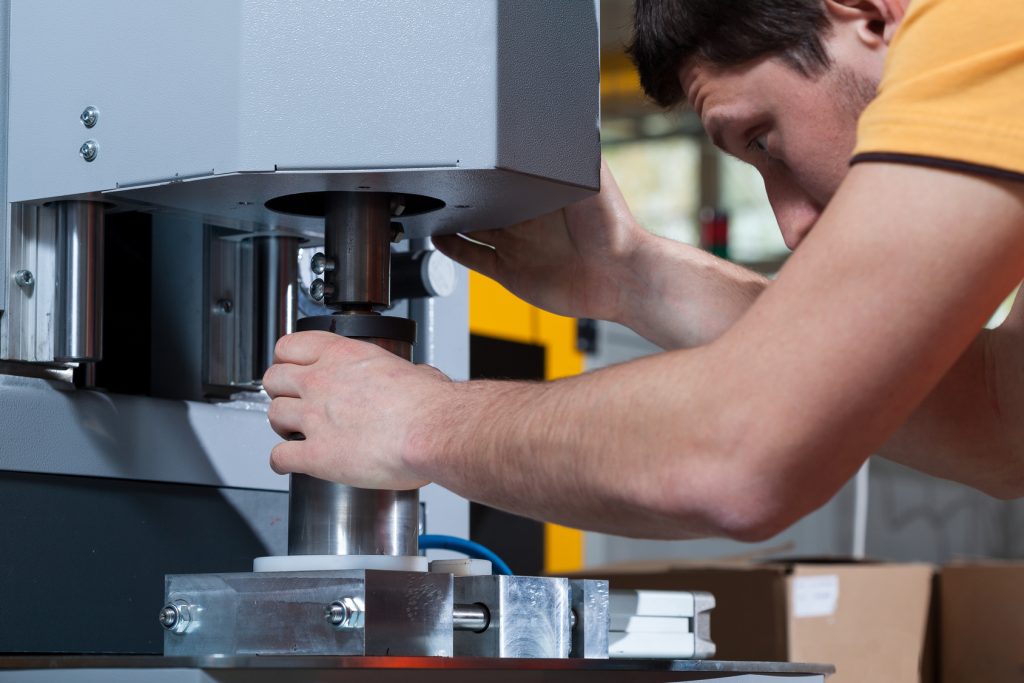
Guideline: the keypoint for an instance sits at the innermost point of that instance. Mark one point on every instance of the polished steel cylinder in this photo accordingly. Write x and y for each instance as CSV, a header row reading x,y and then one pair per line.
x,y
357,241
475,618
78,314
325,518
275,296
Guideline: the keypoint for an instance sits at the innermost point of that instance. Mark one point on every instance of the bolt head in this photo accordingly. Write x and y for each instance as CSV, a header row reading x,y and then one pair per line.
x,y
346,613
226,305
317,289
320,264
168,617
24,278
90,115
89,150
176,616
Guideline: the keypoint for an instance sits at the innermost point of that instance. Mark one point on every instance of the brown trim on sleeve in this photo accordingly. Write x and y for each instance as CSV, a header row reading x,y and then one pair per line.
x,y
938,162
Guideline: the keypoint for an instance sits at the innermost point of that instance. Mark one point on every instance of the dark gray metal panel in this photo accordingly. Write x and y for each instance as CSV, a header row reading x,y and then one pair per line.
x,y
84,559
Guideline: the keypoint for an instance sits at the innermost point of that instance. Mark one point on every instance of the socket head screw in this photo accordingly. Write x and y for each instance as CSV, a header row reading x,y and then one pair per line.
x,y
317,289
24,279
90,115
89,150
320,264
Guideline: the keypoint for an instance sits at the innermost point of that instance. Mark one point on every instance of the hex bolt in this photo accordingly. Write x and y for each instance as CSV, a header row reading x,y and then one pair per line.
x,y
176,616
24,279
346,613
89,150
320,264
90,115
335,613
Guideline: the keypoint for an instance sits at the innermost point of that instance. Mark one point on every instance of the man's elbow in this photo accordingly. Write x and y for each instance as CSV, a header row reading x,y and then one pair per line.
x,y
747,509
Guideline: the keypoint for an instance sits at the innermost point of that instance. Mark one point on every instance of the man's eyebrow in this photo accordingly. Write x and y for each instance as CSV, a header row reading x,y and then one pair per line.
x,y
715,125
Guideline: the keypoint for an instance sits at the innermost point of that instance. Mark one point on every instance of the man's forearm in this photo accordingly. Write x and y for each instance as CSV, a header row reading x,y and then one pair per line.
x,y
682,297
574,452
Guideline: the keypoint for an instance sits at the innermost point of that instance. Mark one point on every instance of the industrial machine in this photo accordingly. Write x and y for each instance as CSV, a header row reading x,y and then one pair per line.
x,y
185,182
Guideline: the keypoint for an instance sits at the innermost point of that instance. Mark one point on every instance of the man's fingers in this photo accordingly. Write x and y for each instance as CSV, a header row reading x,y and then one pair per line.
x,y
286,457
284,379
483,260
303,348
285,415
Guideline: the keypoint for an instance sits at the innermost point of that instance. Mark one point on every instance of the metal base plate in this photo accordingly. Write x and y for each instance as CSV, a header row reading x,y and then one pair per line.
x,y
397,669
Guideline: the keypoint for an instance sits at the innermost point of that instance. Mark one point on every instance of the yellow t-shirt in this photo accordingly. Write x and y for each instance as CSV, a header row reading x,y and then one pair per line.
x,y
952,95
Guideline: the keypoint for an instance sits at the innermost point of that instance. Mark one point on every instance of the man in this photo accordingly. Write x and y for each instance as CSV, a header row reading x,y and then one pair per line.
x,y
768,398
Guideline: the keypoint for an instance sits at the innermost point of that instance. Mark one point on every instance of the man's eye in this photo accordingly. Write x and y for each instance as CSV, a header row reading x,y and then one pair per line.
x,y
759,144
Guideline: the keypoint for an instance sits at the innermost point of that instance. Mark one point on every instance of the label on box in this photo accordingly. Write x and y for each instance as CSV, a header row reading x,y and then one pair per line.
x,y
815,596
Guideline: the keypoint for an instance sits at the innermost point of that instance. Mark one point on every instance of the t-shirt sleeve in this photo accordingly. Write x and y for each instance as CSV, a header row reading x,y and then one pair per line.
x,y
952,94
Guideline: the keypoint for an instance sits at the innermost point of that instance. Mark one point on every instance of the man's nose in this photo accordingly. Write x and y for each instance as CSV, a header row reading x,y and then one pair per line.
x,y
795,212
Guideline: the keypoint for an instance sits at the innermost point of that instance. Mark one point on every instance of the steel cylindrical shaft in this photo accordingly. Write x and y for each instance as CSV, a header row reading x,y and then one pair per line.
x,y
325,518
475,617
276,296
357,239
79,295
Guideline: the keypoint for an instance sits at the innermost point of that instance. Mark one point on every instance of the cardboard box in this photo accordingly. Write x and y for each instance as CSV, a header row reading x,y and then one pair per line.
x,y
872,621
982,615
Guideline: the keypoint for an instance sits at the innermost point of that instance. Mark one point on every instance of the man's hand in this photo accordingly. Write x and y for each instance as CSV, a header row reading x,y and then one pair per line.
x,y
354,403
573,262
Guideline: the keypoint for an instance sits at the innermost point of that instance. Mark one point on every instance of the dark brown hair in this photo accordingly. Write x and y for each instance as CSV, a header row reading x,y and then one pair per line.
x,y
668,33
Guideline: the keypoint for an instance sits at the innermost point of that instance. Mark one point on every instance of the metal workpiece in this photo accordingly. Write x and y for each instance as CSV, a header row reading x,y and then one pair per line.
x,y
529,617
703,604
78,318
589,603
326,518
355,612
357,242
275,275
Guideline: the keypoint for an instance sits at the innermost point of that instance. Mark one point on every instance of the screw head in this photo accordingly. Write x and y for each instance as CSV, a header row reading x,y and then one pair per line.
x,y
168,617
335,613
24,278
89,150
317,289
176,616
320,264
226,305
346,613
90,115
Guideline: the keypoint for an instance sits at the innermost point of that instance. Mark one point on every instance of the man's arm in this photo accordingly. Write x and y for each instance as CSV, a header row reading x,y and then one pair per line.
x,y
969,429
740,437
593,260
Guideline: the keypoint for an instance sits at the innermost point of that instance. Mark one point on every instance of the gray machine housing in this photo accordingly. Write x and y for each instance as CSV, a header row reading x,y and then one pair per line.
x,y
187,118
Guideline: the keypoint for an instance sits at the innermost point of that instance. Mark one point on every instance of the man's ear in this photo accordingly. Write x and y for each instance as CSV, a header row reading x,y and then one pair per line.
x,y
876,20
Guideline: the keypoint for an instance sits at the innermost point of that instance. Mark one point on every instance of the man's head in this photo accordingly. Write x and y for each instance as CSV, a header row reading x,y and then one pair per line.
x,y
778,83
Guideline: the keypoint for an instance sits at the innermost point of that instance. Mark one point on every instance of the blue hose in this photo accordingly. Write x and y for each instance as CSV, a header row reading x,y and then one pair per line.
x,y
466,547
